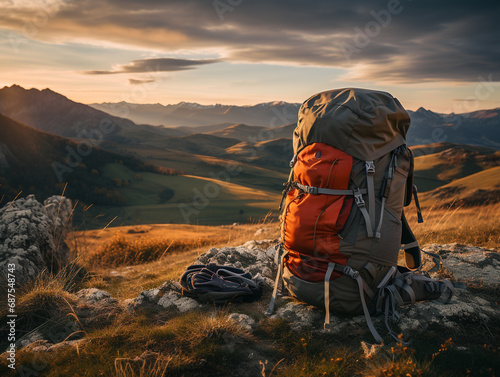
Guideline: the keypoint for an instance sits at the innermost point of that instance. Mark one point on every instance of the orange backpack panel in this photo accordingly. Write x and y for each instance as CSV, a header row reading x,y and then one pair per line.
x,y
311,222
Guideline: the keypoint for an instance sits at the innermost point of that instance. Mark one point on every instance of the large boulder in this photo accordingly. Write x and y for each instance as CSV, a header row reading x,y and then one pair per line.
x,y
32,236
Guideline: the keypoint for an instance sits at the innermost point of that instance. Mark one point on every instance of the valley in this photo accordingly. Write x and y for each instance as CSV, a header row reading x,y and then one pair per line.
x,y
125,173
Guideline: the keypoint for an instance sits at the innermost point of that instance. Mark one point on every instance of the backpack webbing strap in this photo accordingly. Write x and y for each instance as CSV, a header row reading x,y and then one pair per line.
x,y
381,286
391,297
279,275
370,185
386,189
286,190
331,267
404,283
368,318
358,198
411,248
436,258
379,227
361,286
319,190
387,276
417,204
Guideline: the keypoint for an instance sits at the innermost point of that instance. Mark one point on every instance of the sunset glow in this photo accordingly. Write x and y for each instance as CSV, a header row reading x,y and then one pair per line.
x,y
241,52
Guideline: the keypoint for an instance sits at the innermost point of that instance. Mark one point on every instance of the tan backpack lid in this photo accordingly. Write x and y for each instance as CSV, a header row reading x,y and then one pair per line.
x,y
354,121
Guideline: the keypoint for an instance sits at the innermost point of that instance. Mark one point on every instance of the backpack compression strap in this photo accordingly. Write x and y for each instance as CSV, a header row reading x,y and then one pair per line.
x,y
279,276
412,250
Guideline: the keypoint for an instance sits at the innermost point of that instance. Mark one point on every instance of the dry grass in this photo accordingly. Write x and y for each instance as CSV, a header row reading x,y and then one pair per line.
x,y
400,360
121,251
154,366
209,343
45,305
179,245
86,243
478,226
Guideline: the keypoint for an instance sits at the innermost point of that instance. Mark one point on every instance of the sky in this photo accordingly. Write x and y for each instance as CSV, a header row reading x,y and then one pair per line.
x,y
440,55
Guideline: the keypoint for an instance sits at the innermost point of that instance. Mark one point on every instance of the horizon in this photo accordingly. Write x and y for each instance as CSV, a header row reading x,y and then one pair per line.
x,y
221,104
239,53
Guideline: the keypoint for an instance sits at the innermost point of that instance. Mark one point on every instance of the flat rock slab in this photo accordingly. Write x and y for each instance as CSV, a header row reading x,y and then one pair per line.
x,y
469,264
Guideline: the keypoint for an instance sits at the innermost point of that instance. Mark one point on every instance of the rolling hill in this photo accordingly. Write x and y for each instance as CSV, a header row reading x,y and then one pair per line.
x,y
134,191
52,112
439,164
40,163
255,134
477,189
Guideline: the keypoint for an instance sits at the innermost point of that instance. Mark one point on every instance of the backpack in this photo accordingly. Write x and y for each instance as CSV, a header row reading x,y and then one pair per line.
x,y
219,284
342,219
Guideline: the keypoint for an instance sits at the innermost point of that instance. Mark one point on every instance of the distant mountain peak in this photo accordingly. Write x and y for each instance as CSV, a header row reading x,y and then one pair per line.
x,y
14,87
423,110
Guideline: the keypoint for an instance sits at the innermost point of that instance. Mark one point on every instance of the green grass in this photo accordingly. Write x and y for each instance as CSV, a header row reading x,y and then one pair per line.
x,y
206,201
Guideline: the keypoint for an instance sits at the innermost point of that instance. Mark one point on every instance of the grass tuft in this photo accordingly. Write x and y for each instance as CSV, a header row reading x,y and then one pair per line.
x,y
478,226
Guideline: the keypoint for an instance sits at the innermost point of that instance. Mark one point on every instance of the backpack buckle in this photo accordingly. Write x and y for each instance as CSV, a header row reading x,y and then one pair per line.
x,y
293,160
358,197
312,190
370,167
351,272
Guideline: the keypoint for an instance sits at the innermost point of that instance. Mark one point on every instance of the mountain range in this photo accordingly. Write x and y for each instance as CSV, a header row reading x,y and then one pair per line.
x,y
144,174
477,128
187,114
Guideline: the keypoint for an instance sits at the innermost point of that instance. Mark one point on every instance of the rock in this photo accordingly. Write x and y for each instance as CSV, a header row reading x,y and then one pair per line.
x,y
249,257
174,299
260,232
59,210
300,315
38,346
32,236
470,264
65,344
465,307
243,320
31,338
94,295
169,295
43,345
96,308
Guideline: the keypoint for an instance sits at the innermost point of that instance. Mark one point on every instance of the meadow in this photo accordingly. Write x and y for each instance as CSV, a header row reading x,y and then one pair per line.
x,y
127,260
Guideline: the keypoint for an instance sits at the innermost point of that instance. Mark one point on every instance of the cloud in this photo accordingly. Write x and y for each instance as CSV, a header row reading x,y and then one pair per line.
x,y
393,40
140,82
154,65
